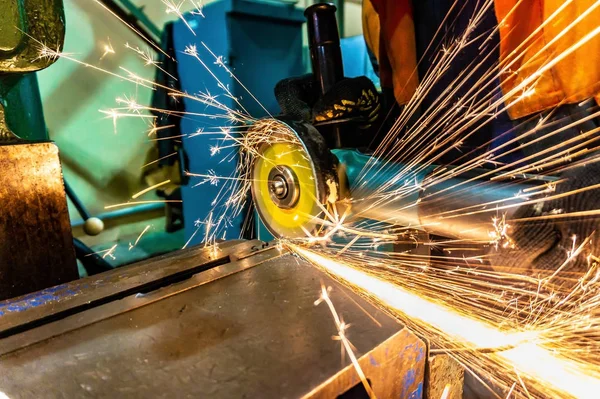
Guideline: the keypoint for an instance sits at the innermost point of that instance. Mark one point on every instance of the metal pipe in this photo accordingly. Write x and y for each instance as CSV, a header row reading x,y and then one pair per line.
x,y
81,209
91,261
455,207
128,215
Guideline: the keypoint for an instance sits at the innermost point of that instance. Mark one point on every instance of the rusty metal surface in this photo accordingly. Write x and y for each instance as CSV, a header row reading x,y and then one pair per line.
x,y
207,272
253,334
444,371
51,303
36,246
24,26
395,369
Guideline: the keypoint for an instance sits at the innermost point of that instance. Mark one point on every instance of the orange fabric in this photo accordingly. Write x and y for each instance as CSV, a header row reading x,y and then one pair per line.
x,y
397,49
526,44
531,44
371,30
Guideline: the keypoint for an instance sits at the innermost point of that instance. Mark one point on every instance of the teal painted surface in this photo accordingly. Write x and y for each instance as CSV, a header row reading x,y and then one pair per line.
x,y
20,96
261,42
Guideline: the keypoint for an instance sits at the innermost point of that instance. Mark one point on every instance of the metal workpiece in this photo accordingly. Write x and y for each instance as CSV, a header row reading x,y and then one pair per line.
x,y
444,377
31,310
255,332
457,207
36,247
394,369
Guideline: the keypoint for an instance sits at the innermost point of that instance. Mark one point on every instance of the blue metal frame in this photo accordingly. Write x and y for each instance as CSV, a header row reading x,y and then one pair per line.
x,y
261,43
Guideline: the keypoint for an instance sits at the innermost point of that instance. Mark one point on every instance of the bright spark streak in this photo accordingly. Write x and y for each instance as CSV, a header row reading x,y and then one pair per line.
x,y
140,202
153,129
114,114
131,27
520,352
107,252
446,393
159,159
173,8
144,191
46,52
199,8
341,328
207,228
131,246
108,49
146,56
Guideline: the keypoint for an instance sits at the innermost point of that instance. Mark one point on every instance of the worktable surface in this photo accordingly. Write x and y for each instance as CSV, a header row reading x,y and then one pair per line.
x,y
256,334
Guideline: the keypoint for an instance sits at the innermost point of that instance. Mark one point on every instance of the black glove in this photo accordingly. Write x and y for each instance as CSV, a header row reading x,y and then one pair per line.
x,y
300,98
546,244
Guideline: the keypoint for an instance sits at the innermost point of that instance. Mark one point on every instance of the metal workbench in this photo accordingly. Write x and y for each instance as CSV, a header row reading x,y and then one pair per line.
x,y
239,322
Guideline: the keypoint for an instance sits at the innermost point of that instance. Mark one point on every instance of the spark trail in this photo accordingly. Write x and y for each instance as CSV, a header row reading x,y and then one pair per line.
x,y
519,350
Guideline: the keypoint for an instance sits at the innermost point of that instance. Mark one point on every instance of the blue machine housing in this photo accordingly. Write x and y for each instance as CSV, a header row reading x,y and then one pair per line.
x,y
261,42
356,58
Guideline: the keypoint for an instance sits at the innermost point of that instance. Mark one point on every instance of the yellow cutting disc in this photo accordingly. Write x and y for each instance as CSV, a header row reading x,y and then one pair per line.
x,y
285,159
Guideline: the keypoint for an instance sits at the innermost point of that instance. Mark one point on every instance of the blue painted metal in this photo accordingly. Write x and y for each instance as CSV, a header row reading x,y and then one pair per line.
x,y
262,43
36,299
20,95
356,59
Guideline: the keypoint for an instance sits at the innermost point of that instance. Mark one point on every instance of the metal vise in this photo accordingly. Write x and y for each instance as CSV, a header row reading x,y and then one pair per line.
x,y
36,244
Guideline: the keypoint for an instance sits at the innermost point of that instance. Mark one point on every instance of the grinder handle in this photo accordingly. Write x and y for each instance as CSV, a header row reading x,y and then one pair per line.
x,y
325,51
324,42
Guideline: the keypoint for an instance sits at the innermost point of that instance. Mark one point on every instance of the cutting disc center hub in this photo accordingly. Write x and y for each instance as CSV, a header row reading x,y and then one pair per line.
x,y
284,188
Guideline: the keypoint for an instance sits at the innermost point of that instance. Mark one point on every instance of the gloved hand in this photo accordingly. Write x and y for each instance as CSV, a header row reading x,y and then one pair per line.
x,y
300,98
541,244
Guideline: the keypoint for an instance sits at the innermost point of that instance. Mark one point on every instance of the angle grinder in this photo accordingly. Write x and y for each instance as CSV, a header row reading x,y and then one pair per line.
x,y
300,172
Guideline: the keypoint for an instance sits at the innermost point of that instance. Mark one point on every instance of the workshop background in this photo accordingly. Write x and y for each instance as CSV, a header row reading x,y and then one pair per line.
x,y
103,164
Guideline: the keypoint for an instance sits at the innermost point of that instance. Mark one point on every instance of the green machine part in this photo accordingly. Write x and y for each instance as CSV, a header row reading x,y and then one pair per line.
x,y
25,27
